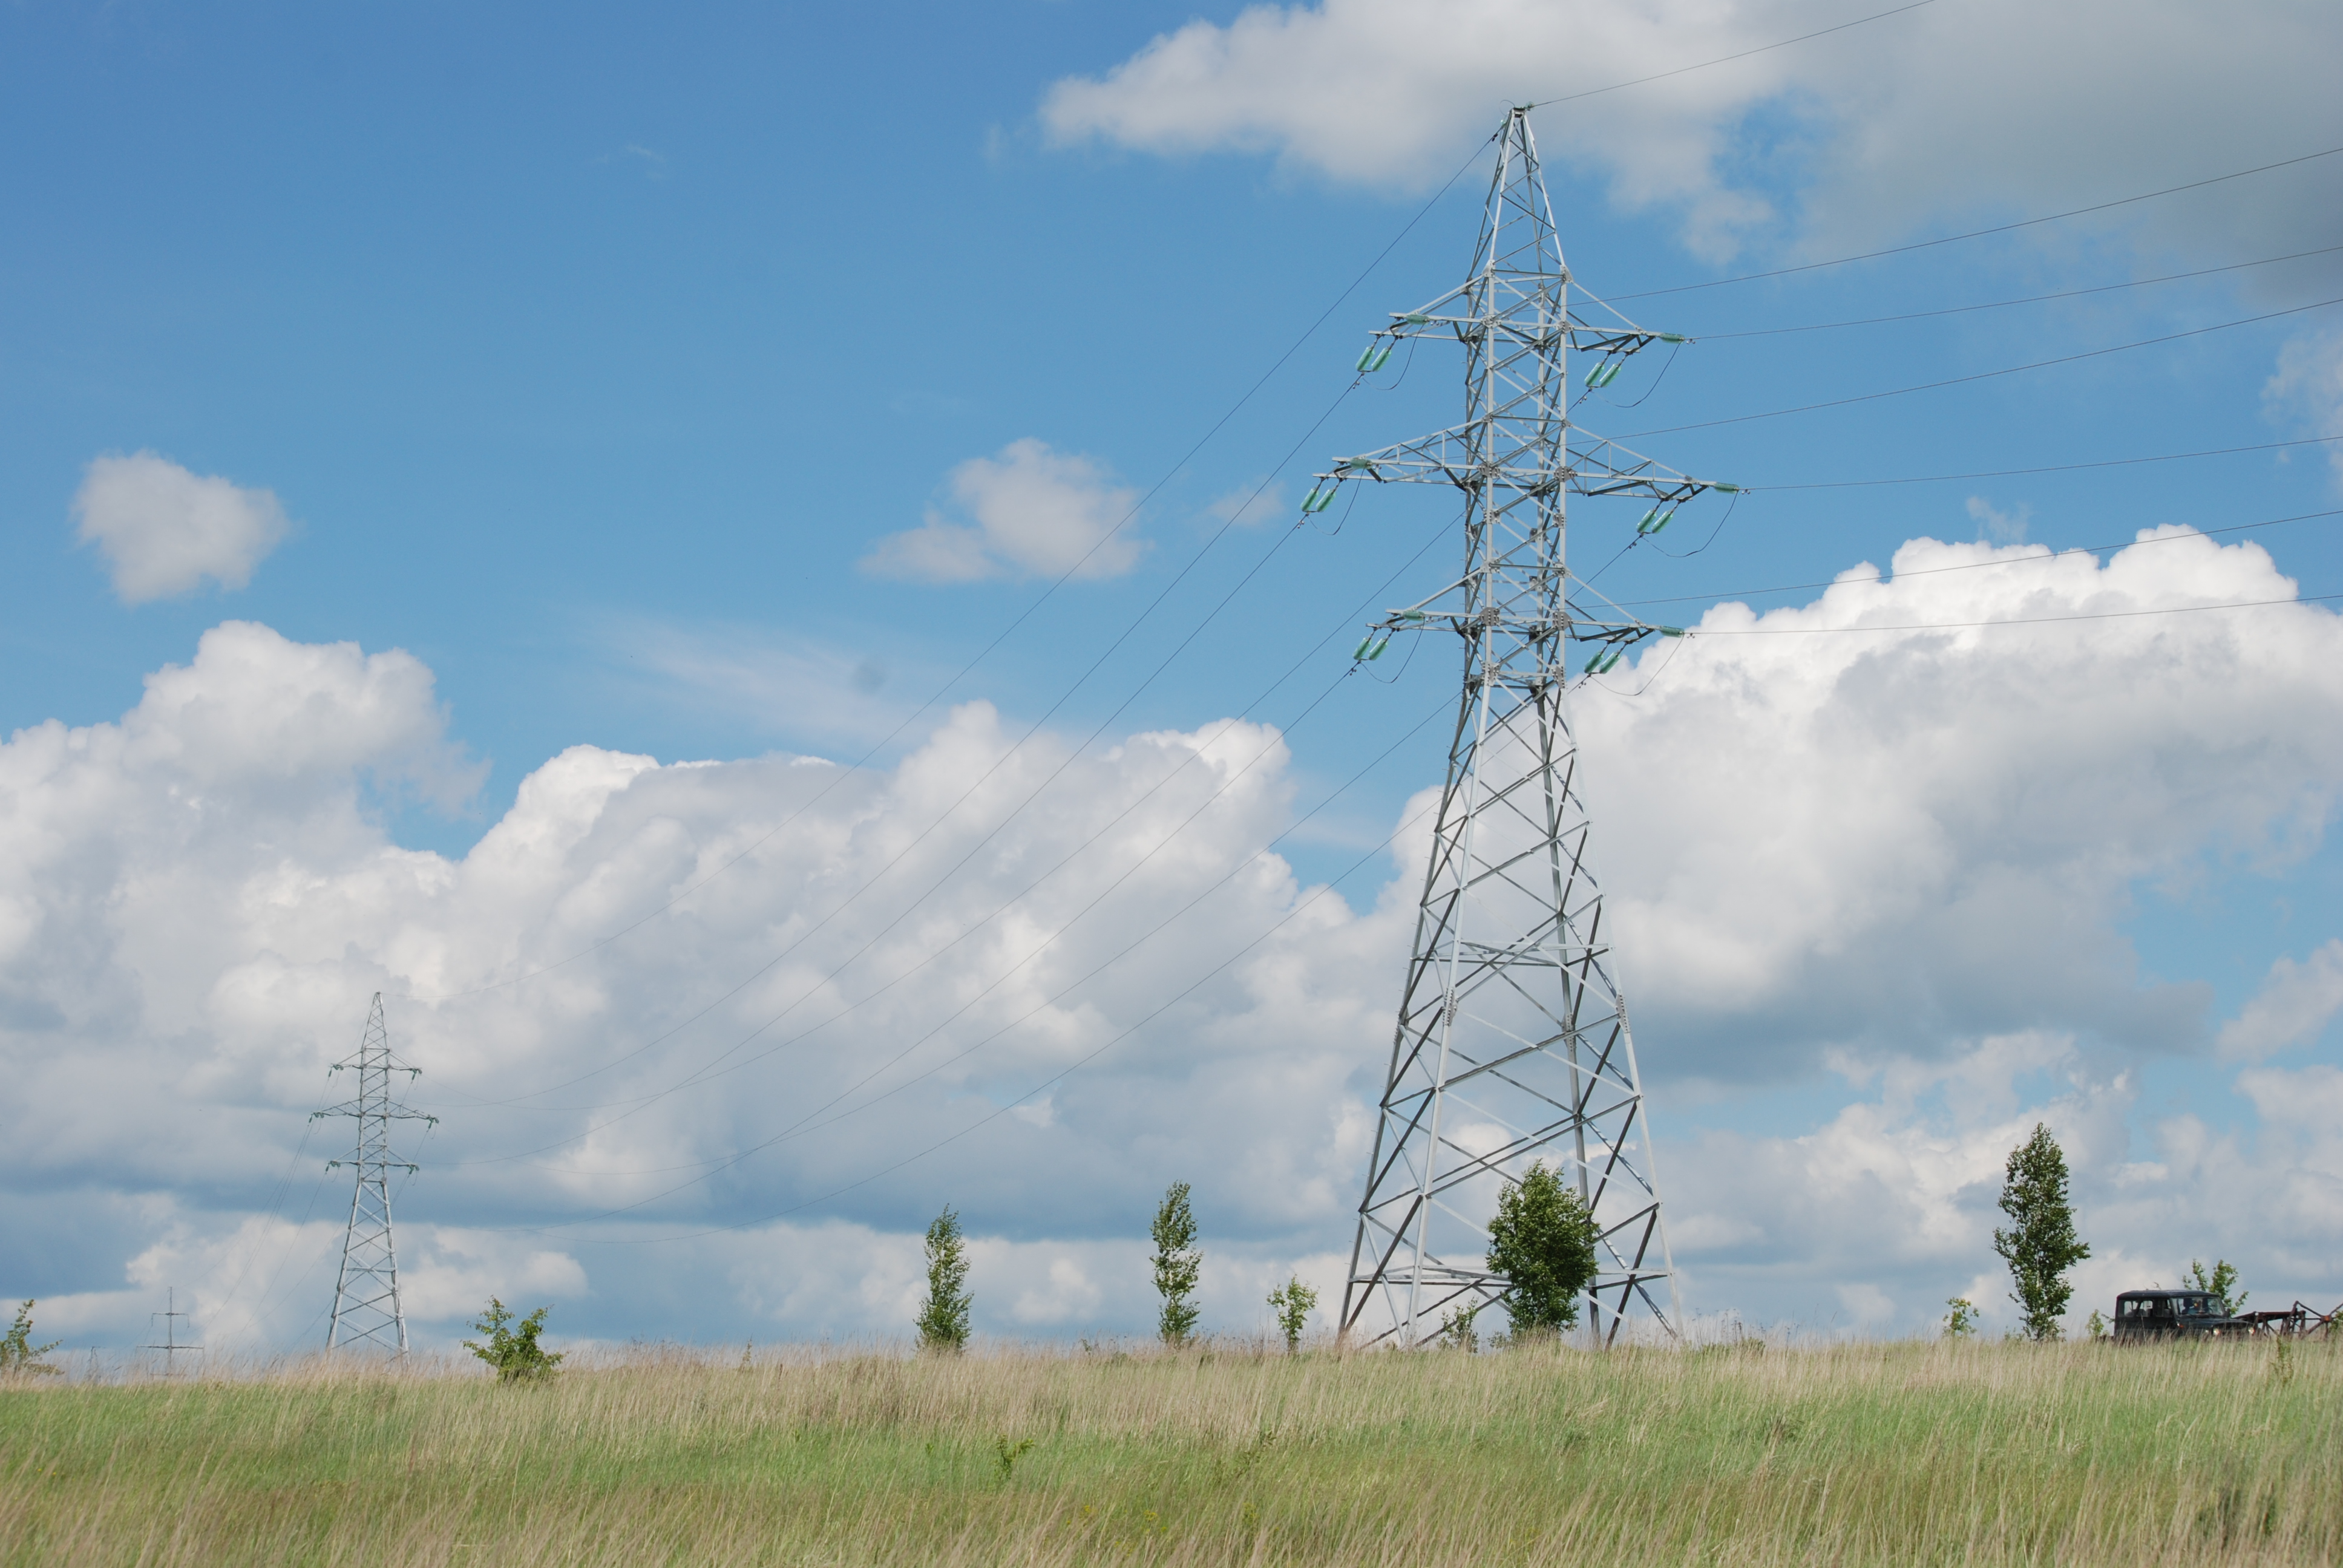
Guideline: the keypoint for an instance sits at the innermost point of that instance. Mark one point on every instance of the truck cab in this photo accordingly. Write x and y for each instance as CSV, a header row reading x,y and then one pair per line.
x,y
2174,1314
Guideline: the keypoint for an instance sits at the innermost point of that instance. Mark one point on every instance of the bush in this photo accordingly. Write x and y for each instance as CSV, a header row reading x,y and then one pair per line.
x,y
944,1314
20,1356
1543,1242
1178,1265
512,1348
1291,1302
2222,1284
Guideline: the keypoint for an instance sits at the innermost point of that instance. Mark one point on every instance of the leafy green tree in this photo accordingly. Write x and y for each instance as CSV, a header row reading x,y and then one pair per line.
x,y
20,1356
1458,1331
1178,1265
943,1316
1543,1244
2040,1245
512,1348
1291,1302
2095,1326
1961,1322
2222,1282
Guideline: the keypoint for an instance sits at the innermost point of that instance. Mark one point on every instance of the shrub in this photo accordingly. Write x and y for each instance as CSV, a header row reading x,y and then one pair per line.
x,y
1961,1322
1178,1265
943,1315
1291,1302
20,1356
1543,1242
2222,1282
512,1348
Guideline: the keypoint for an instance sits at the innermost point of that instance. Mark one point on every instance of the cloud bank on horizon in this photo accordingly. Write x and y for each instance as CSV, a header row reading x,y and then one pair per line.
x,y
710,1041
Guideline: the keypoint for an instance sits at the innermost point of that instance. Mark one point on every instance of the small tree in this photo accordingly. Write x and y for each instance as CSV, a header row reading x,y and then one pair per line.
x,y
1543,1242
1291,1302
512,1348
1458,1330
20,1356
2094,1327
1178,1265
1961,1322
2222,1282
943,1315
2040,1245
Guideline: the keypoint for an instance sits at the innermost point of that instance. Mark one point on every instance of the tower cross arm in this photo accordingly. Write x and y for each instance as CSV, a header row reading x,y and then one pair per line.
x,y
390,1111
1474,313
1464,456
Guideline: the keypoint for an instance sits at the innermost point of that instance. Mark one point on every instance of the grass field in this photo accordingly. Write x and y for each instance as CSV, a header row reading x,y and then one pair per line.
x,y
1740,1455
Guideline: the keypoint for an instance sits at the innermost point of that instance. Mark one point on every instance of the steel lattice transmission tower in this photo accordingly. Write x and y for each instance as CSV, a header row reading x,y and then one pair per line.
x,y
365,1298
1512,1043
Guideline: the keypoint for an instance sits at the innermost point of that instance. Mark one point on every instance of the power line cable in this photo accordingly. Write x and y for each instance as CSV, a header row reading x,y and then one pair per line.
x,y
1072,755
706,1072
1982,232
1061,1076
1727,59
2006,304
2019,620
1982,374
1024,615
2054,553
2048,467
807,1123
711,1071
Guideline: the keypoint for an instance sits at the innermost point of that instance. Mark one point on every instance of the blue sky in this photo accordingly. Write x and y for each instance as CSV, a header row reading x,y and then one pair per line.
x,y
591,354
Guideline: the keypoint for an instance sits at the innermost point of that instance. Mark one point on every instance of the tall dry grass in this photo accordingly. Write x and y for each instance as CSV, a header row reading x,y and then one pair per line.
x,y
1856,1454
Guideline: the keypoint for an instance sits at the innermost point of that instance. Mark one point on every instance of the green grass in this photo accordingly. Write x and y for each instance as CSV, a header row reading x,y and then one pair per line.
x,y
1857,1454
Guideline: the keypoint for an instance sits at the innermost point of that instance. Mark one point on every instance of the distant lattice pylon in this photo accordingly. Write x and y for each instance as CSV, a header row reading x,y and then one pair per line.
x,y
365,1298
1513,1045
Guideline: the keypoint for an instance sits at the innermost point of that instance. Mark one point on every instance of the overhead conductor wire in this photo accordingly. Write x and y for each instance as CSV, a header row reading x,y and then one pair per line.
x,y
1027,613
1032,731
2000,228
1983,233
709,1070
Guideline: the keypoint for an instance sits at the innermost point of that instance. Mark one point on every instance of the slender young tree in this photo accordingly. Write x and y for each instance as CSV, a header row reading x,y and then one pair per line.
x,y
2222,1282
1543,1242
2040,1245
943,1315
1291,1302
1178,1265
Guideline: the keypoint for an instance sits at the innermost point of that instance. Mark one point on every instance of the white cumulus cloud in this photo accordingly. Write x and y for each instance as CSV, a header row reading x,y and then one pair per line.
x,y
1036,511
2296,1003
163,529
1872,821
710,1042
2306,391
1875,129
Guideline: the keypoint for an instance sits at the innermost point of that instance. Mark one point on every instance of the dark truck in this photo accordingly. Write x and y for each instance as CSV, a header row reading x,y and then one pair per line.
x,y
2199,1315
2173,1315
